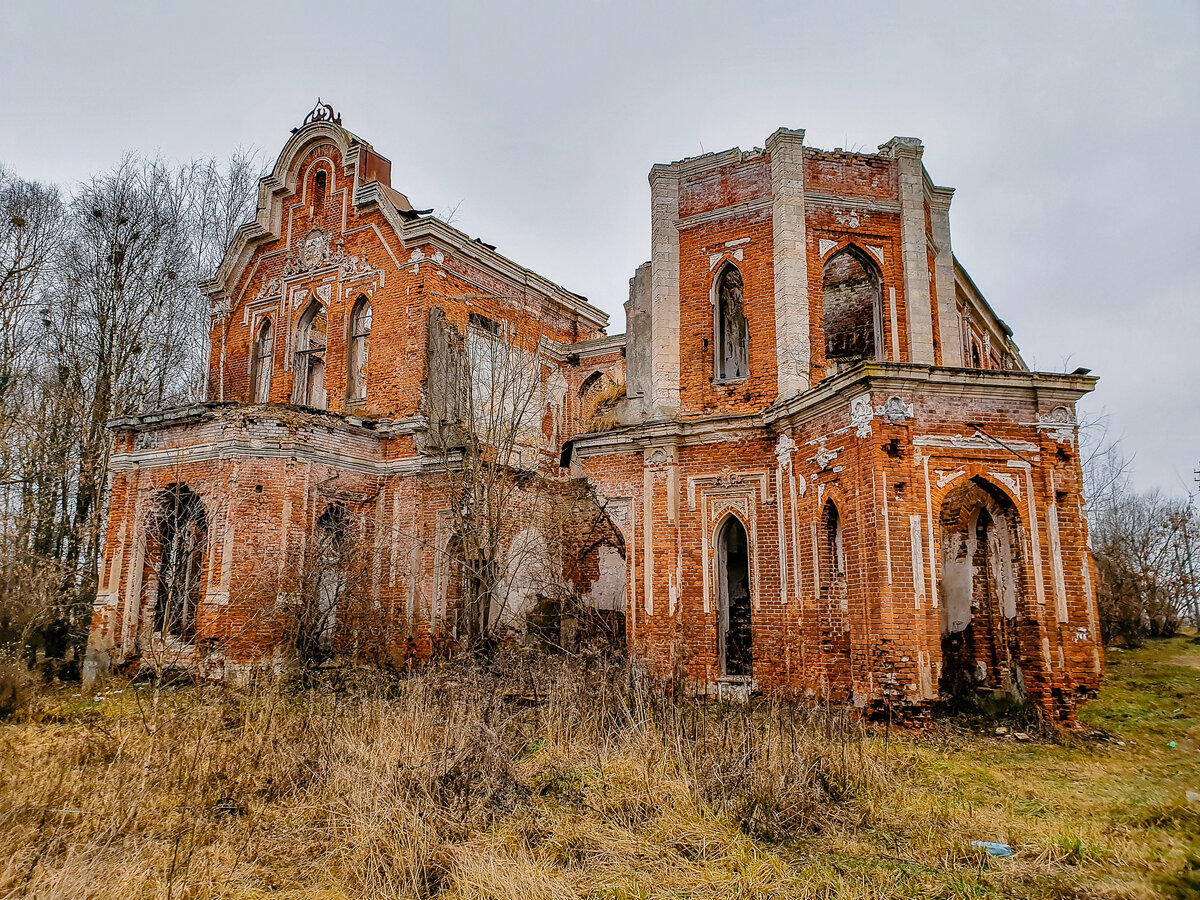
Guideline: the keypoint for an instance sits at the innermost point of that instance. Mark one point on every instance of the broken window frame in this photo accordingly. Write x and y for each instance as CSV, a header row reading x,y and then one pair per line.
x,y
310,359
181,530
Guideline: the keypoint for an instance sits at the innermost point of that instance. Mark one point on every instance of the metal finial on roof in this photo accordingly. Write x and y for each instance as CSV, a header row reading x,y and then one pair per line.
x,y
322,112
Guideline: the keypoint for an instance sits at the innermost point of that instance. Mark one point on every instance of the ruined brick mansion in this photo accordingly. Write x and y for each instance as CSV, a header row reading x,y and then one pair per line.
x,y
815,464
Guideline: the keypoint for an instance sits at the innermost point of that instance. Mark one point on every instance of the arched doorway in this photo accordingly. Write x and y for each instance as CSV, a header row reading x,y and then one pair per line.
x,y
980,594
733,593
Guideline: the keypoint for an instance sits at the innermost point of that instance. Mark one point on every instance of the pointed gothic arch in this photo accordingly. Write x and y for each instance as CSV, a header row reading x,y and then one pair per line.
x,y
357,350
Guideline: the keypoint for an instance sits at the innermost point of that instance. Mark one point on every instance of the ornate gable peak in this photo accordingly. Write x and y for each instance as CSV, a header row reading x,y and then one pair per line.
x,y
275,187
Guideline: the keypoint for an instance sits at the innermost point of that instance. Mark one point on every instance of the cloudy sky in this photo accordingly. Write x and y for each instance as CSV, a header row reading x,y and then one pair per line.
x,y
1071,131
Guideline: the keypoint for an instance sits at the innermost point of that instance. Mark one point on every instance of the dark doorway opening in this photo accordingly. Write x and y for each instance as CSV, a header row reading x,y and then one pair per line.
x,y
733,586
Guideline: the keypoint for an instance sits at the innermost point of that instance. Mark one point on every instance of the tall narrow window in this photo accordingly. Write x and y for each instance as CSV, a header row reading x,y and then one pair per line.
x,y
731,335
310,357
264,359
332,544
853,318
833,553
360,333
733,591
319,190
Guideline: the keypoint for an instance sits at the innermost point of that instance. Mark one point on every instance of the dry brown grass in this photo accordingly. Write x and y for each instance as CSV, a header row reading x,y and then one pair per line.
x,y
536,778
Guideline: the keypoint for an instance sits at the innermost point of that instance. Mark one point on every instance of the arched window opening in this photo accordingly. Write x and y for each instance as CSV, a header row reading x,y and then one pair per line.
x,y
833,550
360,333
976,356
310,357
180,532
264,359
731,333
851,288
733,606
320,189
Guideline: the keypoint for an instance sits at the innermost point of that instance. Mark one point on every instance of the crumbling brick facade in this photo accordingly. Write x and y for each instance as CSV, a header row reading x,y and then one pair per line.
x,y
814,465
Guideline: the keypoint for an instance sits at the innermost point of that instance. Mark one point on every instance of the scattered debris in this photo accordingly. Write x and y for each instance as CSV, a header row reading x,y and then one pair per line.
x,y
1021,736
993,849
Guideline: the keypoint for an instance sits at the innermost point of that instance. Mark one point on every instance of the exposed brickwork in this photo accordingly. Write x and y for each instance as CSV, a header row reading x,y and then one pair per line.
x,y
911,530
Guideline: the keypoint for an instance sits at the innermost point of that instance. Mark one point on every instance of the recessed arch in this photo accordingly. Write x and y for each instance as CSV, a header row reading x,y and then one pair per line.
x,y
731,331
852,288
981,592
832,549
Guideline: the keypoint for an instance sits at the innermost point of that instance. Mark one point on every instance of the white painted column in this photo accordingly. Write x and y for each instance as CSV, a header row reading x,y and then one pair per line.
x,y
792,350
943,277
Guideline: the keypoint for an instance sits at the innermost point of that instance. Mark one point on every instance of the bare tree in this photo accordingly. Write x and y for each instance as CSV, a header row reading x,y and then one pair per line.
x,y
486,400
101,317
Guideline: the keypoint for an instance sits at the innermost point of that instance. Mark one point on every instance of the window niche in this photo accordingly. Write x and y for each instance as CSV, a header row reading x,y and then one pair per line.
x,y
320,190
731,333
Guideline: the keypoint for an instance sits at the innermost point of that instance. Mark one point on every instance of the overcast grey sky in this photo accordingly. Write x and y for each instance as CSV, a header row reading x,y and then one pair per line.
x,y
1070,130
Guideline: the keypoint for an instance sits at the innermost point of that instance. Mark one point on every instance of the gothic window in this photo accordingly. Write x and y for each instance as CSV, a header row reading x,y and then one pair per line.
x,y
851,288
310,357
263,361
179,532
360,333
731,334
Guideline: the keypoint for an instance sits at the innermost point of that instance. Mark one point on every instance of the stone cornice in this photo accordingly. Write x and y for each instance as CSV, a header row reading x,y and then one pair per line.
x,y
879,379
603,346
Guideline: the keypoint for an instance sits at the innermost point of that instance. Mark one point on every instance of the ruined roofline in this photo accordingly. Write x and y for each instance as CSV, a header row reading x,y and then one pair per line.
x,y
192,413
691,165
960,270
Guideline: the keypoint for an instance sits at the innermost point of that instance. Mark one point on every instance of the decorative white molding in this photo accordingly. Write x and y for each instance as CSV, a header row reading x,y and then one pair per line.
x,y
894,410
1009,480
944,477
861,414
824,456
827,245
